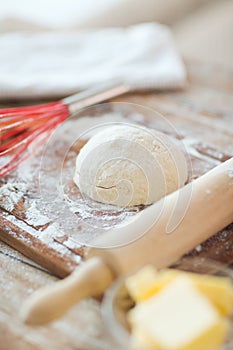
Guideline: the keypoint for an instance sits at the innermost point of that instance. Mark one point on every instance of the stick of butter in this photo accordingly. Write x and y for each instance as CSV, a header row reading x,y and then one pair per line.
x,y
147,282
178,317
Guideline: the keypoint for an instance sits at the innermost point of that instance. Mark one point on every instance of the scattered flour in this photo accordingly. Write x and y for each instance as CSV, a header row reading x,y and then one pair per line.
x,y
86,127
11,193
72,244
83,219
35,217
46,236
199,248
21,224
190,144
78,258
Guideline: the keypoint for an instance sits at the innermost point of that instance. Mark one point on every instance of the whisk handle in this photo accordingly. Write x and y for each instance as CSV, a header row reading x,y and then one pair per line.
x,y
96,95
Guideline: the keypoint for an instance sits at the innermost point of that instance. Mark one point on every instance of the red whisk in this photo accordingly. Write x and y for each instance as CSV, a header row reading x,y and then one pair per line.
x,y
29,126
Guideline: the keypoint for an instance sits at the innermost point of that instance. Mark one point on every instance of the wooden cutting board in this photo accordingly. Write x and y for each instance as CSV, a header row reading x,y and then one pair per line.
x,y
43,215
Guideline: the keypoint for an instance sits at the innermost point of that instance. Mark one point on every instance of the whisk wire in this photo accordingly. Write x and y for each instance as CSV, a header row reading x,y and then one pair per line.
x,y
22,127
29,110
19,131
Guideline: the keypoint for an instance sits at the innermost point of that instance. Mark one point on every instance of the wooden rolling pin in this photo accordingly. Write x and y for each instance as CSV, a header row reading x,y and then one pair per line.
x,y
170,229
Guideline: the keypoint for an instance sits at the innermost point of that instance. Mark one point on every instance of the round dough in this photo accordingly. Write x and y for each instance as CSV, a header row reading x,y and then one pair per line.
x,y
129,165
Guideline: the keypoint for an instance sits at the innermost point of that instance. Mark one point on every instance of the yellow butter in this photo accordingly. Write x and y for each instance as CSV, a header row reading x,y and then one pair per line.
x,y
147,282
138,341
142,284
218,289
212,339
179,317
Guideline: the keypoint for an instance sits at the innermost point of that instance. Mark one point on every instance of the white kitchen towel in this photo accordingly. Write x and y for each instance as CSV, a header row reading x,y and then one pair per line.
x,y
52,64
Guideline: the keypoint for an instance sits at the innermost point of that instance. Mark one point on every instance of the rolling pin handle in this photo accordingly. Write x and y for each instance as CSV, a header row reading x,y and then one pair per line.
x,y
51,302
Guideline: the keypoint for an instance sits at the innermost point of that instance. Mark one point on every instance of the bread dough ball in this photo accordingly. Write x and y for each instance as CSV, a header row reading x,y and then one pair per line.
x,y
128,165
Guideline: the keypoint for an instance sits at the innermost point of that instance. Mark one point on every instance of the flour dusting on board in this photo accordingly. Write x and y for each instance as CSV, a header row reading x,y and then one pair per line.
x,y
34,216
53,209
11,194
52,206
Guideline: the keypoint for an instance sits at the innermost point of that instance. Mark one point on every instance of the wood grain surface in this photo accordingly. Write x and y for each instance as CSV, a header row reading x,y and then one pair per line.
x,y
200,116
202,113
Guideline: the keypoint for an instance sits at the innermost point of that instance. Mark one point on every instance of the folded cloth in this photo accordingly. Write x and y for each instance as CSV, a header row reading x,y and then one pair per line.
x,y
53,64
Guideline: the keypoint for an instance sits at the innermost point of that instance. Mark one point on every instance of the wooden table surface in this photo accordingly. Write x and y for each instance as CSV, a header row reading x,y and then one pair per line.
x,y
208,103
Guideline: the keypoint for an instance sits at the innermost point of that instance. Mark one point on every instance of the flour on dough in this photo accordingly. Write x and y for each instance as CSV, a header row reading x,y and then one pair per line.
x,y
129,165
